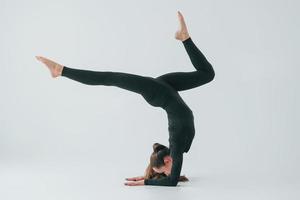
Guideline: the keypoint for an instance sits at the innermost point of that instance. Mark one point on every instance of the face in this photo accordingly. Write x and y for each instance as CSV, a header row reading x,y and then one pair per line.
x,y
166,169
160,170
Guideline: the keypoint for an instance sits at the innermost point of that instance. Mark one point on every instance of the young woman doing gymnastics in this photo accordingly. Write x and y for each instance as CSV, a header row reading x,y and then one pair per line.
x,y
165,162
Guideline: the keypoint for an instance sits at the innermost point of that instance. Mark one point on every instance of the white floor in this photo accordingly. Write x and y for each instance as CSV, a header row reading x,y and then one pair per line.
x,y
94,181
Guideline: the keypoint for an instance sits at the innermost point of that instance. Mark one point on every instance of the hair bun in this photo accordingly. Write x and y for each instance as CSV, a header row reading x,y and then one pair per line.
x,y
157,147
164,152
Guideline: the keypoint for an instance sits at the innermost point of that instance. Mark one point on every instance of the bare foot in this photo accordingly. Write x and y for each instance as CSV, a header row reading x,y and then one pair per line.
x,y
55,68
182,34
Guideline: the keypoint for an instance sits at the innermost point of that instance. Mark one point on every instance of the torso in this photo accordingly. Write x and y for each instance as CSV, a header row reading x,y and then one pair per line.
x,y
180,116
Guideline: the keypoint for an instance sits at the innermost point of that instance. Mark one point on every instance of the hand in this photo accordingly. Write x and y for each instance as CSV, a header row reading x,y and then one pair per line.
x,y
182,34
137,178
134,183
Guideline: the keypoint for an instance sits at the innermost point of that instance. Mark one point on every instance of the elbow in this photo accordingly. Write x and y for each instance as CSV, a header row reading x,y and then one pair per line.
x,y
173,183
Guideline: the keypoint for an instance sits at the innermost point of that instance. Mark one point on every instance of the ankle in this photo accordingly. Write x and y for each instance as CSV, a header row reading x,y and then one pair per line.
x,y
185,36
61,68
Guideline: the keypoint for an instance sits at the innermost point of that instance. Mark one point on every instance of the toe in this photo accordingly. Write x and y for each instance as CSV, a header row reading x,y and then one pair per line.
x,y
40,58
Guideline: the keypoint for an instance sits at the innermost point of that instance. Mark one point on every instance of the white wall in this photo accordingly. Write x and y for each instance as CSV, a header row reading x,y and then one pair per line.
x,y
246,119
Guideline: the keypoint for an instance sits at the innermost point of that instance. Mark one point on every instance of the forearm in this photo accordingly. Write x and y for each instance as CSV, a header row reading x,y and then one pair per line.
x,y
166,181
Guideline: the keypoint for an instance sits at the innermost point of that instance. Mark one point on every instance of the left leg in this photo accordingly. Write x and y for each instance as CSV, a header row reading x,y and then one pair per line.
x,y
143,85
152,90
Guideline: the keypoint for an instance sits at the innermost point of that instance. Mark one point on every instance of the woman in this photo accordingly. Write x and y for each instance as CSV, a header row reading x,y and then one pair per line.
x,y
165,162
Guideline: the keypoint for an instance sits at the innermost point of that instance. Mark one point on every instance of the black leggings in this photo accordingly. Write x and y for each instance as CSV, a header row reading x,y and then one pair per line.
x,y
145,85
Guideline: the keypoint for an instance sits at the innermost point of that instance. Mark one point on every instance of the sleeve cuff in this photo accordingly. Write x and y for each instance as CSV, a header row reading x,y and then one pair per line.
x,y
146,182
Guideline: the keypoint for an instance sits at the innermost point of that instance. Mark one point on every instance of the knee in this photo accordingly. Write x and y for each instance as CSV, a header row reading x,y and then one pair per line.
x,y
211,75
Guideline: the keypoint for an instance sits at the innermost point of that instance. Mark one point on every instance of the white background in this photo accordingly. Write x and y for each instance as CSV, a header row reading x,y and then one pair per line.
x,y
60,139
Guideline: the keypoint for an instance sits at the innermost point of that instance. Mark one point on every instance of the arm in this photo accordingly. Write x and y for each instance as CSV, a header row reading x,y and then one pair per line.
x,y
137,178
173,178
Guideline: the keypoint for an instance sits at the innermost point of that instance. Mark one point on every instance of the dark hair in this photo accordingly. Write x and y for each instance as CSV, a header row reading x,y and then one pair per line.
x,y
158,154
157,160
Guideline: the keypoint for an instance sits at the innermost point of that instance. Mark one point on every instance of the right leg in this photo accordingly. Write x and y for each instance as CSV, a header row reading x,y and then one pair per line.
x,y
186,80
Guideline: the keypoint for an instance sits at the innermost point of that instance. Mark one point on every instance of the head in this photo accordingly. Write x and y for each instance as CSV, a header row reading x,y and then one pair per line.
x,y
160,163
160,159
